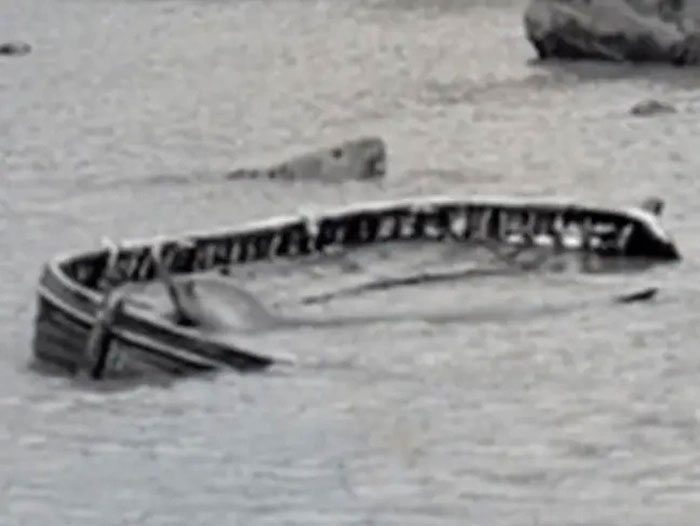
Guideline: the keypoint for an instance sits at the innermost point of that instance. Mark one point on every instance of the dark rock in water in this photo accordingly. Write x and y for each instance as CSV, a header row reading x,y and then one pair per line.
x,y
617,30
653,205
14,48
687,52
651,107
634,297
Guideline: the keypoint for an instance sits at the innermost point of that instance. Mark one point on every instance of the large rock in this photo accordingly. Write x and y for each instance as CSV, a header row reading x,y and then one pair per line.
x,y
620,30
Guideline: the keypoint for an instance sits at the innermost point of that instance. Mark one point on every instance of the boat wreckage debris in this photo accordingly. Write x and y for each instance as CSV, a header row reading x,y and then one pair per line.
x,y
96,310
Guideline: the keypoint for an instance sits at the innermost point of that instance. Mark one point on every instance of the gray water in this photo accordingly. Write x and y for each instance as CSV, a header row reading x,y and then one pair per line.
x,y
120,123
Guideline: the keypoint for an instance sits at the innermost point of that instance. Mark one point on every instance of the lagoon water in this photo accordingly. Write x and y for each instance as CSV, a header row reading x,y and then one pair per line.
x,y
122,120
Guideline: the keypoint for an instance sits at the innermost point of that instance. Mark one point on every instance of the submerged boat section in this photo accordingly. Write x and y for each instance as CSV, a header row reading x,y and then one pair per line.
x,y
82,327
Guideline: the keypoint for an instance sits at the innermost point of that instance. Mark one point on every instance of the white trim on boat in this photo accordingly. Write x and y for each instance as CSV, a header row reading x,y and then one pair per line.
x,y
417,203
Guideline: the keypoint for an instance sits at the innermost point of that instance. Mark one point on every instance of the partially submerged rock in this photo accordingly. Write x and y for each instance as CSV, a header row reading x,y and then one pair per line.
x,y
14,48
356,159
618,30
651,107
653,205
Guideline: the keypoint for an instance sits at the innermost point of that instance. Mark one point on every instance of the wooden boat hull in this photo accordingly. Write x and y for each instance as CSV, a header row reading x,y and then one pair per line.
x,y
71,295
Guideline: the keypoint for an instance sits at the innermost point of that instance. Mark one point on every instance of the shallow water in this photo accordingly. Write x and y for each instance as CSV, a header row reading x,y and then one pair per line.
x,y
122,121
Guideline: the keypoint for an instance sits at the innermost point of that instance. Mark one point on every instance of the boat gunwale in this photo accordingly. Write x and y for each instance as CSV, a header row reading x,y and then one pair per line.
x,y
417,203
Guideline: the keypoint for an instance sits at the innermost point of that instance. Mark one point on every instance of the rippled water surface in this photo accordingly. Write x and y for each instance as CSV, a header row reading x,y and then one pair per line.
x,y
121,122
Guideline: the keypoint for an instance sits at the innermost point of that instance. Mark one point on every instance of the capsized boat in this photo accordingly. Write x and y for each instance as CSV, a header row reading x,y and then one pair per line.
x,y
88,322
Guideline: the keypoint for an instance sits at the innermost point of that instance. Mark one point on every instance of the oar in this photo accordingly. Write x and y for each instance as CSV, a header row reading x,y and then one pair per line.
x,y
391,282
466,317
434,277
